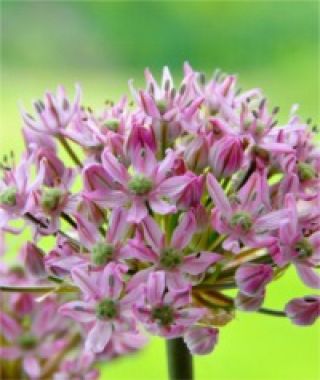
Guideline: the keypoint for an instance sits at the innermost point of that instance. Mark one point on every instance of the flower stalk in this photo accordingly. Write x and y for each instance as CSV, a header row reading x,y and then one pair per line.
x,y
179,359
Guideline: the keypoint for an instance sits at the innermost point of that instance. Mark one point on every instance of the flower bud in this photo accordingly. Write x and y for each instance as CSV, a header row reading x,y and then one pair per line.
x,y
303,311
226,156
196,154
191,195
140,138
201,340
252,278
245,303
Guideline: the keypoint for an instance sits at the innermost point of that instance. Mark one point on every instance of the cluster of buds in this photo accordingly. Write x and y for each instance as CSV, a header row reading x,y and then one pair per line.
x,y
187,191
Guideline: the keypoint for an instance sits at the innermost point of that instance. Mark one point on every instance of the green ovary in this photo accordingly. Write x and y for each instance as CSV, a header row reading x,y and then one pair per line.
x,y
106,309
306,171
304,248
112,124
27,341
163,314
139,184
50,198
101,253
241,219
8,197
170,258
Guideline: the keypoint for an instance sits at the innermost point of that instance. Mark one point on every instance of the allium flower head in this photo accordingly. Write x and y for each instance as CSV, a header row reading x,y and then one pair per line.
x,y
166,202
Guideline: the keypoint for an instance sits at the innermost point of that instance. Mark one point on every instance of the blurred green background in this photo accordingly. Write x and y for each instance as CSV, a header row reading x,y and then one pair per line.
x,y
273,45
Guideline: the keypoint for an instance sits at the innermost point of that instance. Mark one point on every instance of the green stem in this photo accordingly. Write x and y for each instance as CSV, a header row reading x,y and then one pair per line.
x,y
275,313
70,151
179,360
37,289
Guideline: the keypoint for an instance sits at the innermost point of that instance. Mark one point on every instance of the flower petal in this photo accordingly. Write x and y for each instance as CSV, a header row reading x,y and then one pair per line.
x,y
155,287
9,353
252,278
9,327
189,316
153,234
117,225
110,281
98,337
218,196
114,168
87,231
174,186
160,206
184,231
201,340
198,263
136,248
138,211
31,366
79,311
85,283
308,275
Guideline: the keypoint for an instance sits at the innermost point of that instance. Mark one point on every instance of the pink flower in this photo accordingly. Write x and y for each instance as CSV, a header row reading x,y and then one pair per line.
x,y
201,340
104,308
108,248
64,257
303,311
149,183
293,246
124,343
48,203
38,342
220,94
170,258
166,312
16,189
248,218
164,106
54,114
55,170
79,368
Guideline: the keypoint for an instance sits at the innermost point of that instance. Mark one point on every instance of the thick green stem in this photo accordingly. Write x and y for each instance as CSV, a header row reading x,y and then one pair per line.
x,y
179,360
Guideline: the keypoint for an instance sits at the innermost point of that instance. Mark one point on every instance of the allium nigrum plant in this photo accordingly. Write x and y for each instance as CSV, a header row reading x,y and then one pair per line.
x,y
164,204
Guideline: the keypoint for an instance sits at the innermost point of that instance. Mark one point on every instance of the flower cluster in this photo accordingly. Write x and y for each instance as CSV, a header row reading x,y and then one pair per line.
x,y
190,189
34,336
